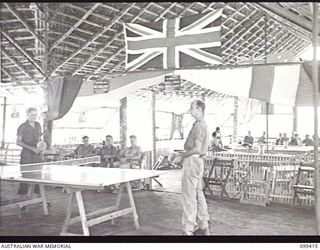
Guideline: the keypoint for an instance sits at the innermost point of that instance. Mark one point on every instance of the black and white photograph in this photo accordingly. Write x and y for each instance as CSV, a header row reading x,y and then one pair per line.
x,y
197,120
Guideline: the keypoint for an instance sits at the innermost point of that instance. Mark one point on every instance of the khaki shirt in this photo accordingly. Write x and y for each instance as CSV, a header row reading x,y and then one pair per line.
x,y
84,151
199,131
132,152
30,136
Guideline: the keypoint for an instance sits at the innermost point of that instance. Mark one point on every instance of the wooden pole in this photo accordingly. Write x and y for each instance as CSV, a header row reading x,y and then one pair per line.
x,y
267,126
316,102
235,118
123,122
47,125
153,119
4,115
295,119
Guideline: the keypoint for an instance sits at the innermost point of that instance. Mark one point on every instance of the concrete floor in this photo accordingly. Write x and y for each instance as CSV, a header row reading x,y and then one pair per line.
x,y
159,214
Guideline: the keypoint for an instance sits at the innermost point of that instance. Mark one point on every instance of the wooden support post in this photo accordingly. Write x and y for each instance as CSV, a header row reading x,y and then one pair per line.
x,y
153,120
295,119
235,118
315,27
267,126
47,125
4,115
123,122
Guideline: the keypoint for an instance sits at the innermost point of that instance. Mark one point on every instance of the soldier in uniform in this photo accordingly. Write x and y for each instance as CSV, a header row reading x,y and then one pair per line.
x,y
28,136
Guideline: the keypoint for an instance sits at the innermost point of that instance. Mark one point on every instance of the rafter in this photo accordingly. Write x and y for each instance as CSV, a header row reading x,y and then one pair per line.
x,y
107,44
14,61
17,15
56,11
76,25
12,78
18,47
93,38
278,10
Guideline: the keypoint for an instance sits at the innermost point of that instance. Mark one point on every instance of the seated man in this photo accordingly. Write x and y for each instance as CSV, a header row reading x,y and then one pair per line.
x,y
109,154
248,140
215,144
294,140
279,141
85,149
262,139
130,157
307,141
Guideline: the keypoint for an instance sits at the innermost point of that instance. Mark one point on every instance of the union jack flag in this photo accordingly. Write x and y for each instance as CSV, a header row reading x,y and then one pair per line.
x,y
174,43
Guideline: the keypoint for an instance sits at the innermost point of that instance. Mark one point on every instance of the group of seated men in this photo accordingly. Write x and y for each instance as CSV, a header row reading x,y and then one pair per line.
x,y
110,155
282,140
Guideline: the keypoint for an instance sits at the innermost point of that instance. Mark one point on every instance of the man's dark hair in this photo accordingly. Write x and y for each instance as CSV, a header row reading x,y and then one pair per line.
x,y
109,136
31,109
85,137
217,129
133,136
214,134
200,104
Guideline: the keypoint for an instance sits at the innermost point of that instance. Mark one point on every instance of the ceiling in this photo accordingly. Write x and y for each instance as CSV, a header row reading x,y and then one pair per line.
x,y
86,39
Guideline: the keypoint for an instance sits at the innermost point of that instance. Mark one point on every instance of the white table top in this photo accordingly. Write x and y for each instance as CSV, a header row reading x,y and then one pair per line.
x,y
74,176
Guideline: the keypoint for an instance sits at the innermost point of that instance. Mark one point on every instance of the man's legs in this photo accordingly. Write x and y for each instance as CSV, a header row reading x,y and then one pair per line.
x,y
190,179
202,209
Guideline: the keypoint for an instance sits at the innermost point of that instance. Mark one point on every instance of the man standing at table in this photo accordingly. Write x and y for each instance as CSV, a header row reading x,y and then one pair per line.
x,y
28,136
195,216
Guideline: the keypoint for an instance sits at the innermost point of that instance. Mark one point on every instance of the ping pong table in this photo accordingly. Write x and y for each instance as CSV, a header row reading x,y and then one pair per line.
x,y
77,179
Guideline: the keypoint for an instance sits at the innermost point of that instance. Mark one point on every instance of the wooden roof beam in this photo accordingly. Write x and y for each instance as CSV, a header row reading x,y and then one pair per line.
x,y
56,11
17,15
12,78
18,47
93,38
107,45
76,25
278,10
245,30
14,61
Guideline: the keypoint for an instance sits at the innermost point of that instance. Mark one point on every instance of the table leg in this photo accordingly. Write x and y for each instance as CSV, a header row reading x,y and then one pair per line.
x,y
68,215
82,212
132,204
118,200
44,199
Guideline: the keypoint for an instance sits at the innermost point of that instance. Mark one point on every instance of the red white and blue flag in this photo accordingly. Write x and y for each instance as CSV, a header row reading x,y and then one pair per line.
x,y
174,43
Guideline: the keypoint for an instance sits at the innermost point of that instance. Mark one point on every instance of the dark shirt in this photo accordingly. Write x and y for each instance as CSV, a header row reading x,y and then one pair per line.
x,y
108,151
84,151
248,139
198,131
308,142
294,142
30,136
262,139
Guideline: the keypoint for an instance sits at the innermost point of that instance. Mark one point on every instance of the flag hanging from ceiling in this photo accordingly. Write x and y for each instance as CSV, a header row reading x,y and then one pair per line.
x,y
174,43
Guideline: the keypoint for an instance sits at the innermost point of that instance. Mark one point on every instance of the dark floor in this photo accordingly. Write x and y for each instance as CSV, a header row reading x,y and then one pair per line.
x,y
159,214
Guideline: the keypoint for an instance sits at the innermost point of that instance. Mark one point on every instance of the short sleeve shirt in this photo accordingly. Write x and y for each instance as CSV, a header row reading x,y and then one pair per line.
x,y
83,151
30,136
198,131
132,151
105,151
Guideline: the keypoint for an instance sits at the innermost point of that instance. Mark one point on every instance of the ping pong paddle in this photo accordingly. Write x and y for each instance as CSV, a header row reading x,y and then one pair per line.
x,y
42,146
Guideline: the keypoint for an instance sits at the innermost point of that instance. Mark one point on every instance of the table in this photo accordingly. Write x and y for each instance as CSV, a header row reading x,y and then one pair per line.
x,y
77,179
